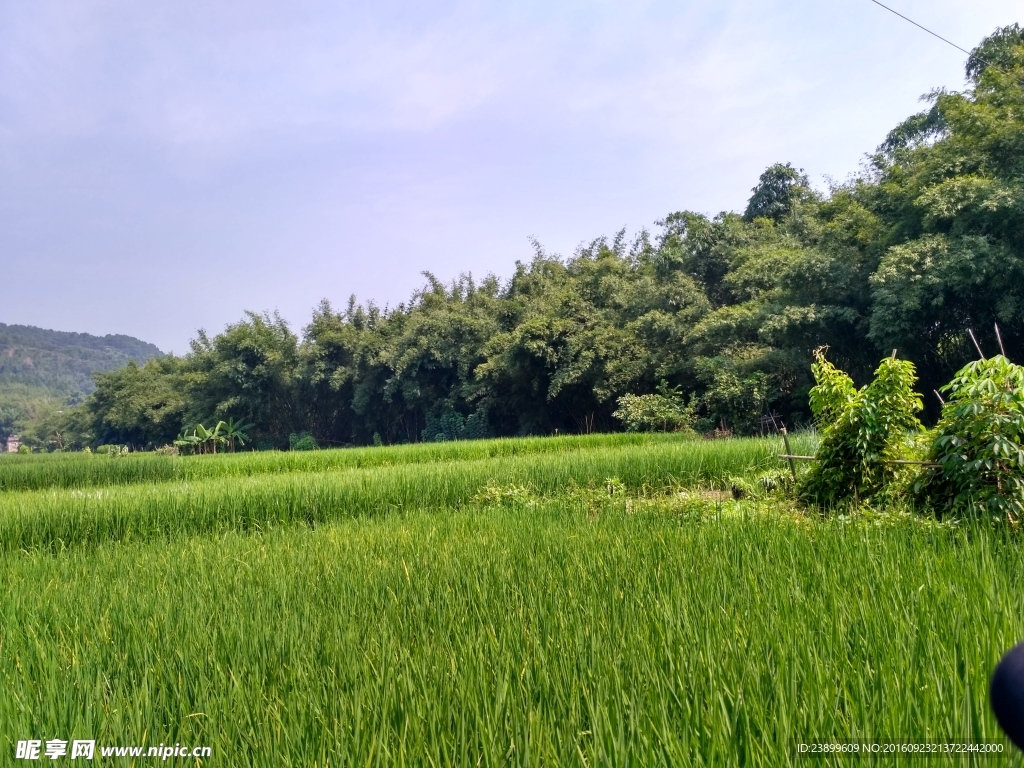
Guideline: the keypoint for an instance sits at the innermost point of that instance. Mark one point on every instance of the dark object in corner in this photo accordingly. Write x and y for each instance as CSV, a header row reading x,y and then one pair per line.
x,y
1006,694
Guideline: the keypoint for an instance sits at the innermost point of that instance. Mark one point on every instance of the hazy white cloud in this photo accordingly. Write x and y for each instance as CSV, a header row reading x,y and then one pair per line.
x,y
302,149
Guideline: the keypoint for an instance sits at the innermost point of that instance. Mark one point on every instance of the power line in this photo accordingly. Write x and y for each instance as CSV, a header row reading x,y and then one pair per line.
x,y
919,26
970,55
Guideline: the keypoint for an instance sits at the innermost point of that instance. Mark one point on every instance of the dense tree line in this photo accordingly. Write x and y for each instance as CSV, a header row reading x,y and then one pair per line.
x,y
724,312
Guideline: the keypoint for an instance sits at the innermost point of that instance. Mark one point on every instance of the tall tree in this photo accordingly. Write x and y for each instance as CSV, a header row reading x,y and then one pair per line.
x,y
248,372
138,405
953,206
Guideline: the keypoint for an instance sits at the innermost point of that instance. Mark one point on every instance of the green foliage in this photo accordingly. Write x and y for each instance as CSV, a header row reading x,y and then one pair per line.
x,y
138,405
61,364
43,420
452,425
249,370
302,441
979,444
952,195
736,393
187,442
209,439
1001,50
45,374
861,430
236,433
112,451
775,193
772,482
10,420
206,440
202,439
665,411
923,245
833,394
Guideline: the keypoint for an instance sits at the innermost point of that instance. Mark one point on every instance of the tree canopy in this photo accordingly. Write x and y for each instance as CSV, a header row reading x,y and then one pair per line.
x,y
725,311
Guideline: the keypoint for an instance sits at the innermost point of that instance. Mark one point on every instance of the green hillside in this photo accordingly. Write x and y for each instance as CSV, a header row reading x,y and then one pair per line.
x,y
63,362
41,370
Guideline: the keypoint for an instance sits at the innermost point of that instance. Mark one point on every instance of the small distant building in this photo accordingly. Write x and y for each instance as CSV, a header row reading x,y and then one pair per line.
x,y
13,442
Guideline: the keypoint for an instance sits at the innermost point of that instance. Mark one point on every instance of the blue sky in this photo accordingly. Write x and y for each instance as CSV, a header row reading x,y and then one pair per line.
x,y
166,165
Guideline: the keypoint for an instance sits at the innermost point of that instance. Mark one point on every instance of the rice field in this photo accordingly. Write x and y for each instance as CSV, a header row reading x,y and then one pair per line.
x,y
77,470
588,604
58,518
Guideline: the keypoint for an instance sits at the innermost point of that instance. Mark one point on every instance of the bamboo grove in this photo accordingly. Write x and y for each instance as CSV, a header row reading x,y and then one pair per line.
x,y
725,311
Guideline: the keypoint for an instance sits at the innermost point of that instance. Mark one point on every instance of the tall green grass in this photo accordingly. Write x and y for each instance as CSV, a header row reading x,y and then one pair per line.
x,y
521,636
56,519
35,472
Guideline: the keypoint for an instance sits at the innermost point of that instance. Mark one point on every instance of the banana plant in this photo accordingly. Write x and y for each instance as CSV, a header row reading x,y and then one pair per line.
x,y
209,439
236,432
188,441
202,439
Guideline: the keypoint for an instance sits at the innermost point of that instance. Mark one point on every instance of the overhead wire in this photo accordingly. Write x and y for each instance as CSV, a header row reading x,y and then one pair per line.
x,y
970,55
920,26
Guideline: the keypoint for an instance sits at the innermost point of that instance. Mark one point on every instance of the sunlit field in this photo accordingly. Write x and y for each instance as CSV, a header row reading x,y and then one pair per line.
x,y
702,459
569,601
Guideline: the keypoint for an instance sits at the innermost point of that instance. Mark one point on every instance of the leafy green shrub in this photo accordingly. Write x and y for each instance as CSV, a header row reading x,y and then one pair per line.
x,y
662,412
861,430
452,425
775,481
113,451
762,485
979,443
303,441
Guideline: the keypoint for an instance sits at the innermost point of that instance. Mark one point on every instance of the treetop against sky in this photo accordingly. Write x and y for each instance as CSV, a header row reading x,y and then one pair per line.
x,y
279,155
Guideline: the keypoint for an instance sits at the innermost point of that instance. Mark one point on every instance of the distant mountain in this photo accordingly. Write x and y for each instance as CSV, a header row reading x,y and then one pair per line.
x,y
62,363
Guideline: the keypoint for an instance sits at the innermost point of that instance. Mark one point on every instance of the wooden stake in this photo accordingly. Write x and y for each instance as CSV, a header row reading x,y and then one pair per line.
x,y
980,353
1000,339
789,452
